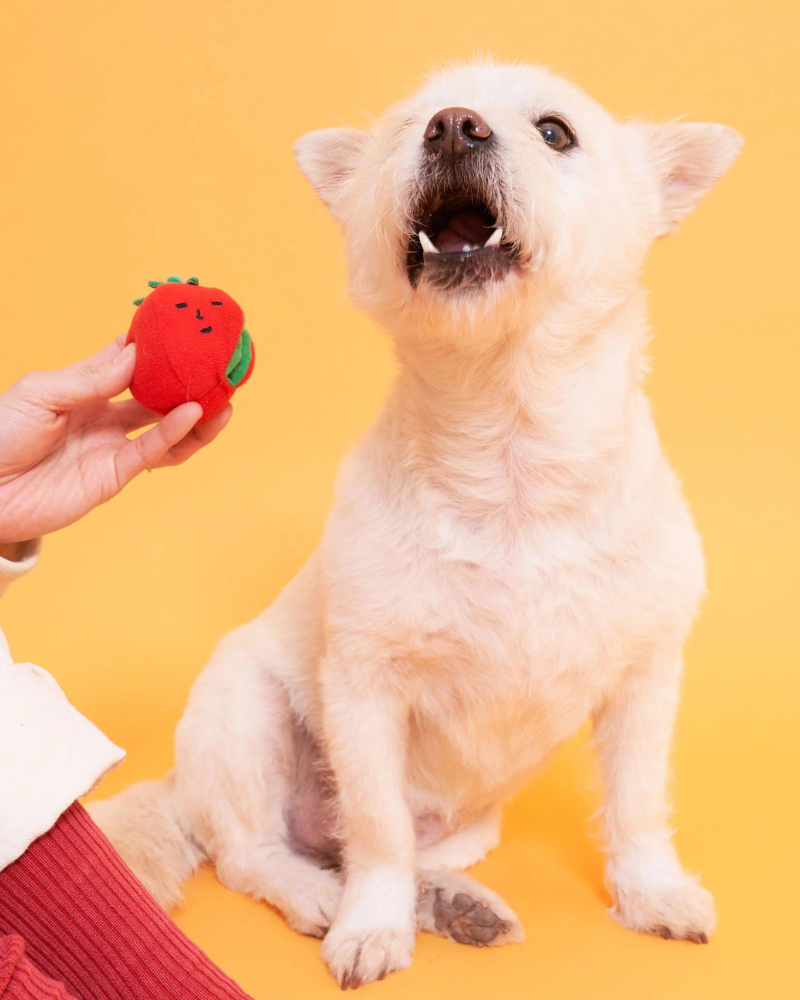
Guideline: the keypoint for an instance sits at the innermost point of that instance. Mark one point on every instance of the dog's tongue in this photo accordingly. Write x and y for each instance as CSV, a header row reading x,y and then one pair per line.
x,y
464,228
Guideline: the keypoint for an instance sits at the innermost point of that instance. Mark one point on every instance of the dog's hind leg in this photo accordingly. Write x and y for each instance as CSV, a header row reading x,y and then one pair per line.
x,y
236,761
466,847
457,907
307,895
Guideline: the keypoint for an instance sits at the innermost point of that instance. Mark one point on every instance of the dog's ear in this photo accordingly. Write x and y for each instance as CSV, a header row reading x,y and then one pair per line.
x,y
688,159
328,158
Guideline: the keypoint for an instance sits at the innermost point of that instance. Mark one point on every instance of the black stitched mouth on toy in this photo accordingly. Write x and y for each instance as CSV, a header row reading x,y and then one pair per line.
x,y
457,243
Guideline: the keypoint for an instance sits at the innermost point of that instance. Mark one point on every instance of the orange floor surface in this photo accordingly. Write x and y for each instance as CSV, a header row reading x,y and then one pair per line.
x,y
150,138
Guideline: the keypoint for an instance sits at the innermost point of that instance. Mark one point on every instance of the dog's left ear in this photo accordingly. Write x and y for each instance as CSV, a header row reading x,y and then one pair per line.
x,y
688,159
328,158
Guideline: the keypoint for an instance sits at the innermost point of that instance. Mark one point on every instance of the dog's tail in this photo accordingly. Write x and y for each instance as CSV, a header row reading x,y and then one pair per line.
x,y
142,824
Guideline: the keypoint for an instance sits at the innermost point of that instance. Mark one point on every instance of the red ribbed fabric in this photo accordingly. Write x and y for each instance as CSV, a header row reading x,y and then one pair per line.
x,y
20,980
88,922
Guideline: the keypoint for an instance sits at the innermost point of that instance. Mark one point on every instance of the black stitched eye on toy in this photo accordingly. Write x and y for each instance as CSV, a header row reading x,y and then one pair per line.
x,y
180,305
216,303
556,134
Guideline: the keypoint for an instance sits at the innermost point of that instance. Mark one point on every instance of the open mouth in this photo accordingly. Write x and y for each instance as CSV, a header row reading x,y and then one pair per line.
x,y
458,243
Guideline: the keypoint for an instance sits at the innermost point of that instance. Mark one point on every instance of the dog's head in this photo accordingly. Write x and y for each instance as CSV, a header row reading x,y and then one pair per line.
x,y
499,189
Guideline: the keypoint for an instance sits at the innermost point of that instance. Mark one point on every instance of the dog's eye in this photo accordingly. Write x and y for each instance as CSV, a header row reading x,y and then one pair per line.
x,y
556,134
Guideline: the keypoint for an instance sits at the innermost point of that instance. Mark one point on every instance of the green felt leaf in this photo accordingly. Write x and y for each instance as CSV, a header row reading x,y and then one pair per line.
x,y
240,359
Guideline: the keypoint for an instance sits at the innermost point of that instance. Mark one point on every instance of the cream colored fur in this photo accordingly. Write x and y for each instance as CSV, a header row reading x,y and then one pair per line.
x,y
509,553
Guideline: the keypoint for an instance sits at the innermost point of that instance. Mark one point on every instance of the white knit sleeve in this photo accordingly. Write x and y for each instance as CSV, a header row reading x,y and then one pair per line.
x,y
50,755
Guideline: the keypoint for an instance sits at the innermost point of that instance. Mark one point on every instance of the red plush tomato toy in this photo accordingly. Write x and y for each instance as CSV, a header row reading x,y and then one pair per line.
x,y
191,346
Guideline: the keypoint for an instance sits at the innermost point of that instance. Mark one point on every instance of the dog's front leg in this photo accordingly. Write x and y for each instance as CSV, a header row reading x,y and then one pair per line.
x,y
365,724
633,730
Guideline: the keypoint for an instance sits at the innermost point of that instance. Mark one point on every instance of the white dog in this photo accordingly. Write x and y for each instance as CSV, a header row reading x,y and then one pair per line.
x,y
509,552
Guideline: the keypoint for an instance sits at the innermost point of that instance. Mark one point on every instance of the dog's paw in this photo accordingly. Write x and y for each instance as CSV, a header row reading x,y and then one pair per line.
x,y
356,957
457,907
313,909
684,911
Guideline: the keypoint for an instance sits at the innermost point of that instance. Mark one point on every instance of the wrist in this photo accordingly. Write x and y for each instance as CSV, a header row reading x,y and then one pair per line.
x,y
16,558
13,551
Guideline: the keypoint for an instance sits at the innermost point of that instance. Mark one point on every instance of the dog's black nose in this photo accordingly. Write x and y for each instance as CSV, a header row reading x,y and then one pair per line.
x,y
454,132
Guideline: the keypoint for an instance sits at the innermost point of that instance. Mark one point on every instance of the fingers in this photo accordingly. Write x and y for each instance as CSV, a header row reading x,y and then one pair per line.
x,y
149,449
70,387
175,438
132,416
200,436
106,353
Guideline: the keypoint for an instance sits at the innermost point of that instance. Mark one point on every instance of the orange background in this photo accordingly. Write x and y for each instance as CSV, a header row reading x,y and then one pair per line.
x,y
142,139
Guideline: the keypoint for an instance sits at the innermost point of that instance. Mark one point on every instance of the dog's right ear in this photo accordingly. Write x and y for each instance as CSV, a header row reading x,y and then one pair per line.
x,y
328,157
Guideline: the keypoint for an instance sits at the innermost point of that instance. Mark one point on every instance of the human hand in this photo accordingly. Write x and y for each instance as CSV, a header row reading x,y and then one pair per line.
x,y
64,447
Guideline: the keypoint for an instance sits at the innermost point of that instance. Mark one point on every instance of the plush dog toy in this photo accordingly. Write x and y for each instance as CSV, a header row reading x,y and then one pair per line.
x,y
191,346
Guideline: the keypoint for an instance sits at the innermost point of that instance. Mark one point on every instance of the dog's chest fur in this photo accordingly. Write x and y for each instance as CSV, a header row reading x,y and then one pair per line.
x,y
505,634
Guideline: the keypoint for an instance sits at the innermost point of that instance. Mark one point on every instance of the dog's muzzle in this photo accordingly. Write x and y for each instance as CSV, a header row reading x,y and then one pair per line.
x,y
457,241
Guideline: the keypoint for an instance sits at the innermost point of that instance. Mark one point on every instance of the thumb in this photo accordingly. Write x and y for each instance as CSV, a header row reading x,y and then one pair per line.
x,y
70,387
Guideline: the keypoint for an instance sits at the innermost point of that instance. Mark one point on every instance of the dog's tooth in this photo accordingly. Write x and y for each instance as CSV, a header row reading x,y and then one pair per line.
x,y
494,239
427,242
466,248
